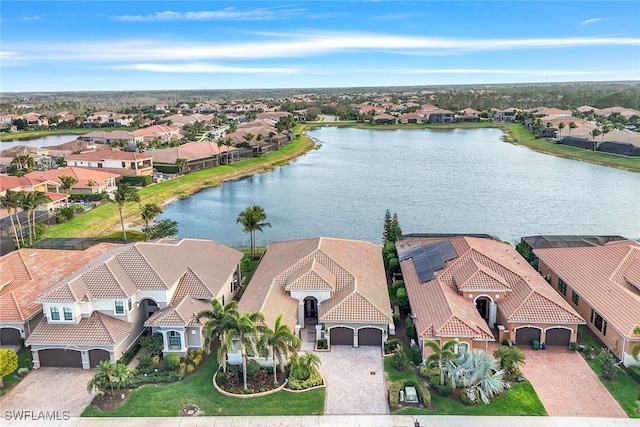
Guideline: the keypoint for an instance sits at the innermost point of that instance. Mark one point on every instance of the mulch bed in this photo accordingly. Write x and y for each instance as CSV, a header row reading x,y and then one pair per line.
x,y
252,383
108,402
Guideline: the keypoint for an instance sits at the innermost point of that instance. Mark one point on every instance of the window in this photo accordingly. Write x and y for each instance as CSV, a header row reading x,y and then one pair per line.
x,y
174,340
562,287
55,313
99,165
119,307
68,314
124,164
129,303
223,300
599,322
575,298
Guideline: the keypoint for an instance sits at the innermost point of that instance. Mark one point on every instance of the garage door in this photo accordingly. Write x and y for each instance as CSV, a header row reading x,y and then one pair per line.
x,y
97,356
9,336
558,336
341,336
369,336
59,358
525,336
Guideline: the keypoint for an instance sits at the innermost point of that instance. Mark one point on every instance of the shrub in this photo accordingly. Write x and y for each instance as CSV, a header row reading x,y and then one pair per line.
x,y
146,361
416,355
197,360
395,387
23,371
262,377
323,343
155,377
573,346
172,361
391,345
398,284
128,355
396,318
444,390
394,394
8,362
253,367
392,294
399,360
182,369
588,352
65,214
607,364
315,379
425,371
232,379
634,372
411,329
403,299
152,344
469,396
190,368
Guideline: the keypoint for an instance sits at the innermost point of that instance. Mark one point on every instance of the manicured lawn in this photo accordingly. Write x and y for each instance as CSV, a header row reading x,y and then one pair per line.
x,y
168,400
10,381
520,400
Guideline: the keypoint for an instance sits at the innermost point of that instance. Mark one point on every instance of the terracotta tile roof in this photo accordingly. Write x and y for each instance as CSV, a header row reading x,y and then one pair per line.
x,y
481,265
182,314
98,329
103,155
190,284
28,273
191,151
359,293
82,176
600,275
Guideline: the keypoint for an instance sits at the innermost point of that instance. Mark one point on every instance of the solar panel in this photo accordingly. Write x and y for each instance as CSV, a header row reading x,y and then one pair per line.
x,y
429,259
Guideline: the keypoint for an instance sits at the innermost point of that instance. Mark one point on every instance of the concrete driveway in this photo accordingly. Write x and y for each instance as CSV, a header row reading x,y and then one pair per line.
x,y
567,386
355,381
51,389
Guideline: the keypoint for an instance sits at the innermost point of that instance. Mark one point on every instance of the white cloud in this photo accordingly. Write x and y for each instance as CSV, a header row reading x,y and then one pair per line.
x,y
227,14
592,21
490,71
205,68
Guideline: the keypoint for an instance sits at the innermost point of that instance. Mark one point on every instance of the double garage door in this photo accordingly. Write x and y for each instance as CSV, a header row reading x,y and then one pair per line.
x,y
366,336
60,358
554,336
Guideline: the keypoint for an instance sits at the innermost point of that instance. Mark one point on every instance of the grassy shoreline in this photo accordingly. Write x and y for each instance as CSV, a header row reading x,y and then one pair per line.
x,y
104,219
33,134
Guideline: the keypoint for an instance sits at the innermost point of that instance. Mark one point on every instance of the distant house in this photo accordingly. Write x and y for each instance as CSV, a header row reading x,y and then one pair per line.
x,y
468,115
88,180
102,137
441,116
99,311
35,120
199,155
163,133
504,115
411,118
273,115
603,284
384,119
115,161
31,184
477,290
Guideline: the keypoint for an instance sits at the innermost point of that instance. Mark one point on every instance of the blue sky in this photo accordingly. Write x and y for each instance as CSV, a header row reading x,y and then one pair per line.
x,y
145,45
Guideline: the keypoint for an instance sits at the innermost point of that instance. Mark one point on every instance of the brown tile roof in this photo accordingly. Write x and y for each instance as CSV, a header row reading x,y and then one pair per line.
x,y
28,273
600,275
82,176
182,314
98,329
102,155
150,266
481,265
359,293
191,151
190,284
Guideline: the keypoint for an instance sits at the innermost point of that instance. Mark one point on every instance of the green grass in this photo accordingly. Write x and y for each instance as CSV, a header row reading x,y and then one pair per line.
x,y
11,380
32,134
522,399
168,400
105,219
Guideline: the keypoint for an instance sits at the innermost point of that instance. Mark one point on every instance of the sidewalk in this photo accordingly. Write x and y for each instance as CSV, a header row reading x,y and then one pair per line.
x,y
329,421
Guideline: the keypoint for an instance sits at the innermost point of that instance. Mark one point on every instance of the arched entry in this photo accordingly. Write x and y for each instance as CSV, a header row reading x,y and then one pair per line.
x,y
310,311
482,305
148,307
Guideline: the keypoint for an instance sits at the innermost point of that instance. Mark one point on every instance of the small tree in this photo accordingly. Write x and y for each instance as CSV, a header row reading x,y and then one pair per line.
x,y
607,364
8,363
124,194
67,184
182,164
510,358
148,212
440,355
162,228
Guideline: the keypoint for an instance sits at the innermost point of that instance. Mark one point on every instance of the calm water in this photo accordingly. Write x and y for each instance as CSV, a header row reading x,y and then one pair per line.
x,y
39,142
460,181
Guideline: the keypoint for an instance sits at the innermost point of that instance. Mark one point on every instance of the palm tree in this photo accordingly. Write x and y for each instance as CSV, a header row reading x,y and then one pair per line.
x,y
243,330
91,183
228,142
109,376
124,194
38,198
216,323
572,125
301,367
149,211
252,219
67,184
560,127
27,202
478,372
182,163
605,130
281,342
635,350
594,134
510,358
249,137
440,355
121,375
11,202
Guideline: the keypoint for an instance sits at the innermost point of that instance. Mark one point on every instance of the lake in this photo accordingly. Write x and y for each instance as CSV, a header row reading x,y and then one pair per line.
x,y
44,141
455,181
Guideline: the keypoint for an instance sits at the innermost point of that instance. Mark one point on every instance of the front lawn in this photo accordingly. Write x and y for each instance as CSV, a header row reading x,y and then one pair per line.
x,y
519,401
11,380
169,400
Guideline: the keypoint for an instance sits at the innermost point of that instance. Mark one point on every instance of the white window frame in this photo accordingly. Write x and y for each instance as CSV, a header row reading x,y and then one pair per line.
x,y
57,313
174,335
119,304
66,310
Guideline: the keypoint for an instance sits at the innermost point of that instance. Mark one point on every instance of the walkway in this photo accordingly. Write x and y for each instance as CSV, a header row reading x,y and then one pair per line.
x,y
567,386
355,380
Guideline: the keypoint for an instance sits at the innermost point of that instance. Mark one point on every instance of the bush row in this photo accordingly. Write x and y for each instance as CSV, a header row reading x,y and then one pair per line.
x,y
155,377
315,379
394,392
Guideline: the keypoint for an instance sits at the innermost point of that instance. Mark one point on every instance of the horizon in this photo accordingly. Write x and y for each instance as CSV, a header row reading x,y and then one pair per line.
x,y
118,46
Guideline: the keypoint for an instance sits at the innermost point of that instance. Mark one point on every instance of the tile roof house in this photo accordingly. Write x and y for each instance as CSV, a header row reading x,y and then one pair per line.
x,y
25,274
199,155
100,181
31,184
324,287
99,311
474,289
114,161
603,284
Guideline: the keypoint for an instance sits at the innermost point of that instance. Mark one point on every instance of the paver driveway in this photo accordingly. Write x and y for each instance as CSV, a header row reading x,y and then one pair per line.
x,y
351,387
567,386
51,389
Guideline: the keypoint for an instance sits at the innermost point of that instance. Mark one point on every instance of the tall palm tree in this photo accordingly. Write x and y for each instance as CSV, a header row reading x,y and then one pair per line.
x,y
252,219
477,371
560,127
38,198
91,183
281,342
440,355
67,184
149,211
228,142
216,323
594,134
182,163
27,202
635,350
11,202
243,330
124,194
572,125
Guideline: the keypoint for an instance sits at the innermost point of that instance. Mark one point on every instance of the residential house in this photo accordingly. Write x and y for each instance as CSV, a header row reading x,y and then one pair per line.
x,y
603,284
87,180
199,155
115,161
35,120
98,312
475,290
384,119
411,118
27,273
441,116
324,287
163,133
468,115
116,136
508,115
30,184
8,118
273,115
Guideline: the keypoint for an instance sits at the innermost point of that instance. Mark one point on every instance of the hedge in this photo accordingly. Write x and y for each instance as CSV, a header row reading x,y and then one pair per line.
x,y
166,168
394,392
87,197
143,180
634,372
154,378
315,379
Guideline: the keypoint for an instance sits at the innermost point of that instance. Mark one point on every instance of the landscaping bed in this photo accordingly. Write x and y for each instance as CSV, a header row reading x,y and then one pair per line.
x,y
259,380
11,380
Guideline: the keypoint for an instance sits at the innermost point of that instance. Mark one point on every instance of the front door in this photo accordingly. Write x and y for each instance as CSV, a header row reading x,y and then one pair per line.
x,y
310,307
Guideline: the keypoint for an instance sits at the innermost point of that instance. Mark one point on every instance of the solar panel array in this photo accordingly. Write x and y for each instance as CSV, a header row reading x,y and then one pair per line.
x,y
429,259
